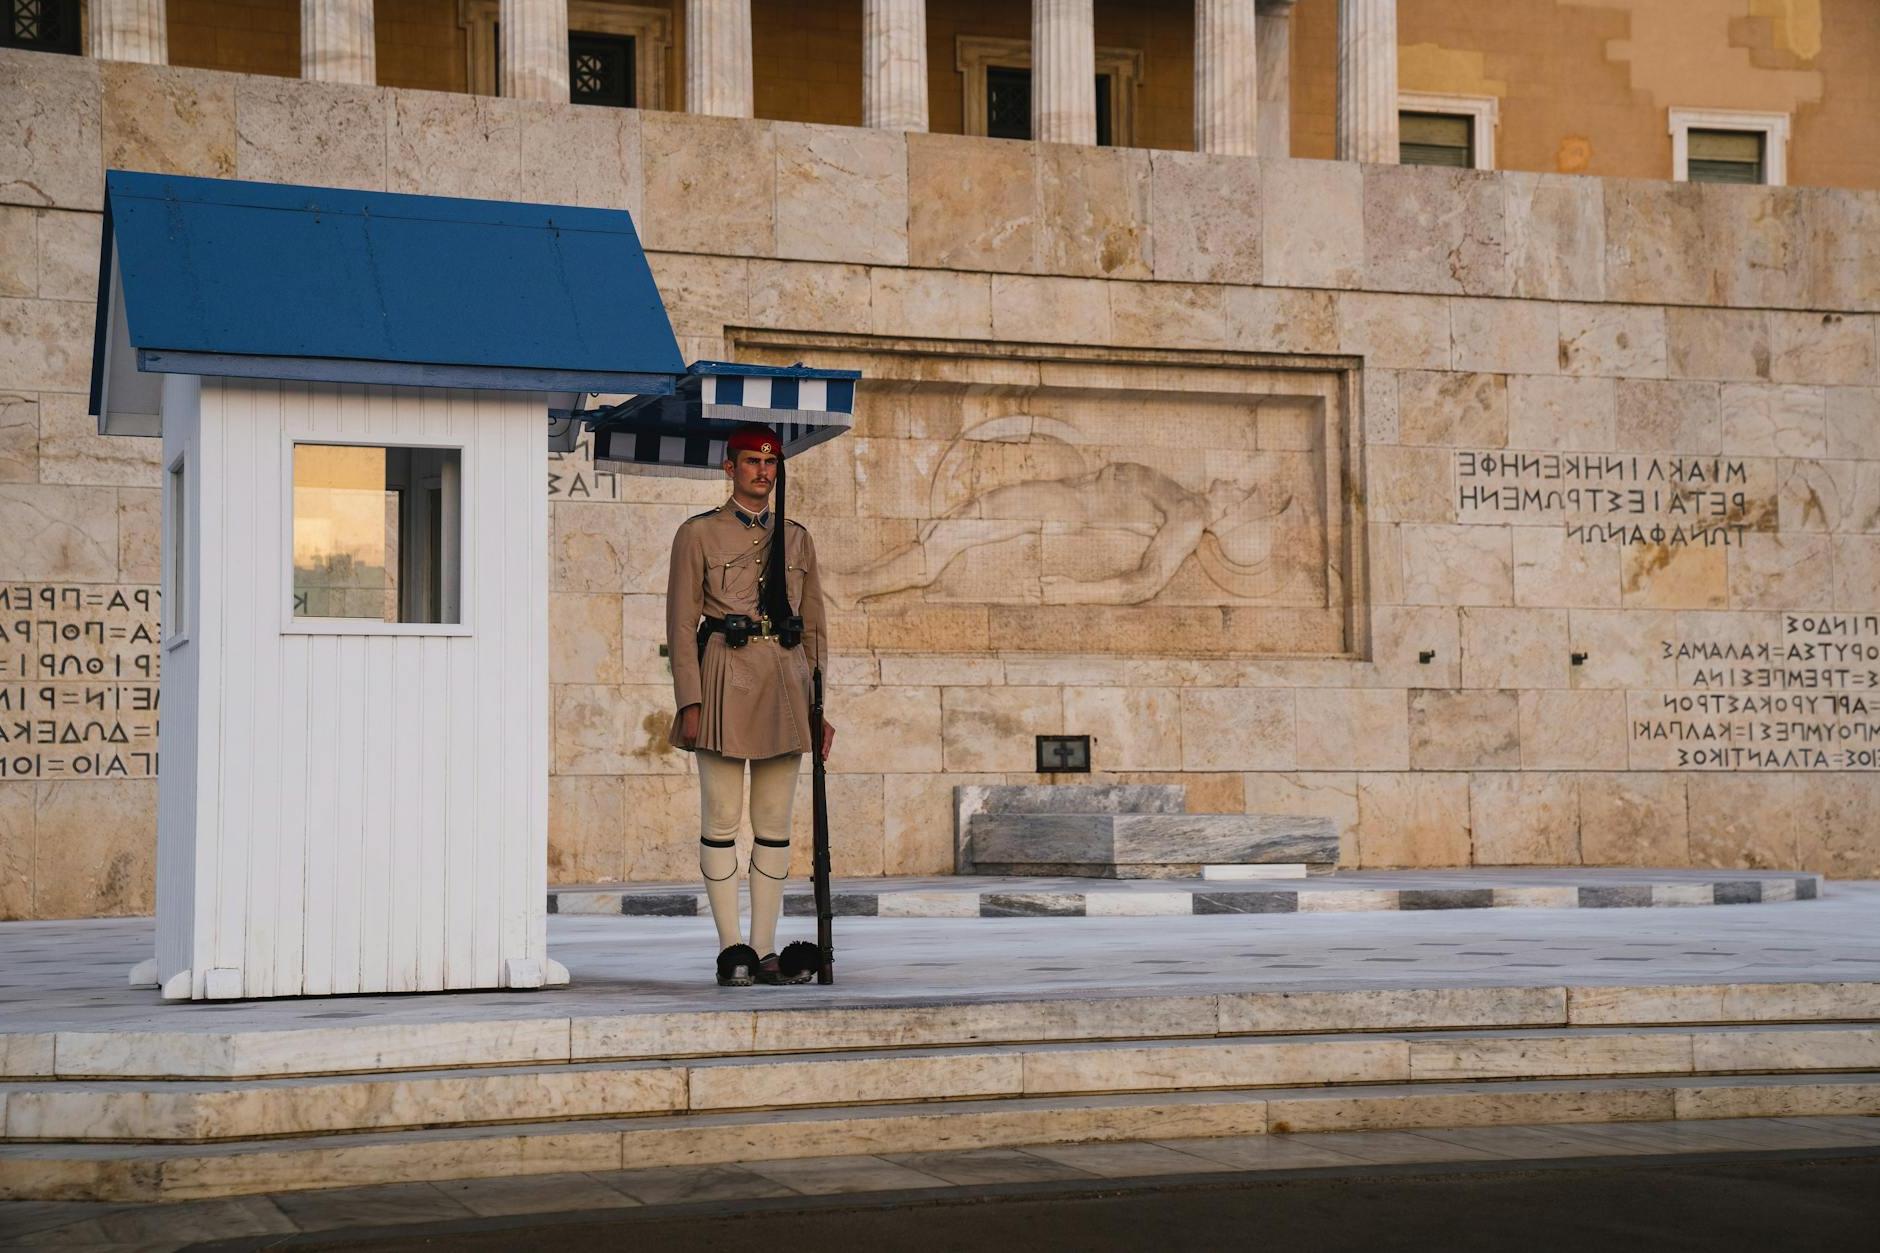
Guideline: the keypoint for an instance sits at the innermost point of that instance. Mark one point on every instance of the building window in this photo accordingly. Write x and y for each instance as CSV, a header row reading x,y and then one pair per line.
x,y
175,588
1716,146
375,533
600,69
1455,131
1008,104
996,78
41,25
1724,157
616,52
1435,139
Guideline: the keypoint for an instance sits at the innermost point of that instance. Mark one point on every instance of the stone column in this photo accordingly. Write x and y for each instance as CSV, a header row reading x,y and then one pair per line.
x,y
894,64
1367,81
129,30
1063,72
336,44
534,51
1275,38
1226,73
718,58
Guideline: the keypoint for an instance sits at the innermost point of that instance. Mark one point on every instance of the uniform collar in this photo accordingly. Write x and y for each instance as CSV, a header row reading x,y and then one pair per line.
x,y
749,519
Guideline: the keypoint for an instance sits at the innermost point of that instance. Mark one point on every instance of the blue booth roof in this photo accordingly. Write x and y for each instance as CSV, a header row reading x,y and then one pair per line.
x,y
216,276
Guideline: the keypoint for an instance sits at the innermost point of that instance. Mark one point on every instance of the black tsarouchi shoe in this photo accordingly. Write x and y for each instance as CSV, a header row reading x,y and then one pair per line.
x,y
737,967
798,963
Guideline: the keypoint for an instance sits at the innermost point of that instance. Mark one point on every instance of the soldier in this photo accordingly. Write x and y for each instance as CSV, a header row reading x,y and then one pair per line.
x,y
744,630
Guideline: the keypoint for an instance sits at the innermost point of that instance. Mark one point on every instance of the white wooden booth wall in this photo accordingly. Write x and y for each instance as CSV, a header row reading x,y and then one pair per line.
x,y
378,821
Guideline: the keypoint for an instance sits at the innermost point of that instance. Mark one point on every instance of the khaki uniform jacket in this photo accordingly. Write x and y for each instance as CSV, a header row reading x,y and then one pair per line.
x,y
754,700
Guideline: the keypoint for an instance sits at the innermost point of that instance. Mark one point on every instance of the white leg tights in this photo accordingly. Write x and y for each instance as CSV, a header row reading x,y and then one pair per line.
x,y
773,794
721,807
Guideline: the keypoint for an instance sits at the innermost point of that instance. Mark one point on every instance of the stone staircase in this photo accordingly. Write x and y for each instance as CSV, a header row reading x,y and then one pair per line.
x,y
106,1116
1125,831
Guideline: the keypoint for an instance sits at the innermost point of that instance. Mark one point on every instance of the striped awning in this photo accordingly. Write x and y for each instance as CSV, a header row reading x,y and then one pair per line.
x,y
684,434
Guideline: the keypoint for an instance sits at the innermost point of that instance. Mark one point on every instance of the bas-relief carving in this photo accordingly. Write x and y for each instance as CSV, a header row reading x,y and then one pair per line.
x,y
1071,523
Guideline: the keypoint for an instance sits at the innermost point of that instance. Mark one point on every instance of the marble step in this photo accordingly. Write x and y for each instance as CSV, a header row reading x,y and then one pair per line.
x,y
170,1111
808,1027
1136,844
1326,890
132,1173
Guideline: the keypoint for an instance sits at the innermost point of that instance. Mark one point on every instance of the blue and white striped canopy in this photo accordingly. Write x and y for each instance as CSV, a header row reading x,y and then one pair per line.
x,y
684,434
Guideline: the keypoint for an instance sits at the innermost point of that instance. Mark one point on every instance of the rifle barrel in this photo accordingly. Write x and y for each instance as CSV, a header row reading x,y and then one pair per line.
x,y
819,850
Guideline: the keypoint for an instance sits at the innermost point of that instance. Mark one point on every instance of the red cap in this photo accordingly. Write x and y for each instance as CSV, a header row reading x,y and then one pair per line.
x,y
753,437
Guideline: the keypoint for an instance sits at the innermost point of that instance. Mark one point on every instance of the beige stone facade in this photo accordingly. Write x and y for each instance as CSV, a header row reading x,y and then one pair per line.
x,y
1580,86
1504,518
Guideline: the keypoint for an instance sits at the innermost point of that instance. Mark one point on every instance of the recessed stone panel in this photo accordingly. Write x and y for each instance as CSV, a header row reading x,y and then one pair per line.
x,y
1131,505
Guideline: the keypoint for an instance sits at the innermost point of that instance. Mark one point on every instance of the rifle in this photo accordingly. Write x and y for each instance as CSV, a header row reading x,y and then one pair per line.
x,y
819,840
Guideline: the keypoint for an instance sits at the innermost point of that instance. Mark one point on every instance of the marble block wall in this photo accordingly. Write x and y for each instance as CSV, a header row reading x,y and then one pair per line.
x,y
1581,543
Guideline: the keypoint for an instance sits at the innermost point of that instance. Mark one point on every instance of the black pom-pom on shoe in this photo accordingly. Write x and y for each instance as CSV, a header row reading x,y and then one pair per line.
x,y
737,967
799,961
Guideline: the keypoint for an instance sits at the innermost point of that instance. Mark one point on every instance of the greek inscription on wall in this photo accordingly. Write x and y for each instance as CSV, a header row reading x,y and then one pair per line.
x,y
1808,699
1619,498
78,681
574,476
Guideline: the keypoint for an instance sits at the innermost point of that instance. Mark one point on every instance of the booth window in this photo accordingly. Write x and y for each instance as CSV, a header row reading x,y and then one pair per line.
x,y
376,533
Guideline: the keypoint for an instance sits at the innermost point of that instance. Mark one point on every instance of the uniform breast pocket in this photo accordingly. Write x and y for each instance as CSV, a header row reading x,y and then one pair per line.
x,y
795,584
735,575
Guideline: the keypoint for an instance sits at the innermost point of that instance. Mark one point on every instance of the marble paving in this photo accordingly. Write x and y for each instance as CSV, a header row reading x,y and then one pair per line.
x,y
1350,891
154,1227
70,976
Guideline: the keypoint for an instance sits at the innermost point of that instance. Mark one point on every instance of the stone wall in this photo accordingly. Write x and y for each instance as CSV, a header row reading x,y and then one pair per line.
x,y
1633,423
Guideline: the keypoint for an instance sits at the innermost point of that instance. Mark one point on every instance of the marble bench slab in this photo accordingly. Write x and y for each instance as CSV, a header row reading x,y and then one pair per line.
x,y
970,800
1144,846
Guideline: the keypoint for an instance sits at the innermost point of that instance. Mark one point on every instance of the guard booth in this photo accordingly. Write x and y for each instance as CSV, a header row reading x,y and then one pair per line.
x,y
354,392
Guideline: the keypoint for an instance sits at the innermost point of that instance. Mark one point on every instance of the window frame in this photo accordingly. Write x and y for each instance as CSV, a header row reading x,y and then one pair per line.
x,y
292,624
175,569
1483,112
1773,127
973,54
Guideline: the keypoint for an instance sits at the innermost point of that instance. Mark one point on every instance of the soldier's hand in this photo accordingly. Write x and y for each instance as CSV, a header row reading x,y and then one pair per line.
x,y
829,738
688,726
